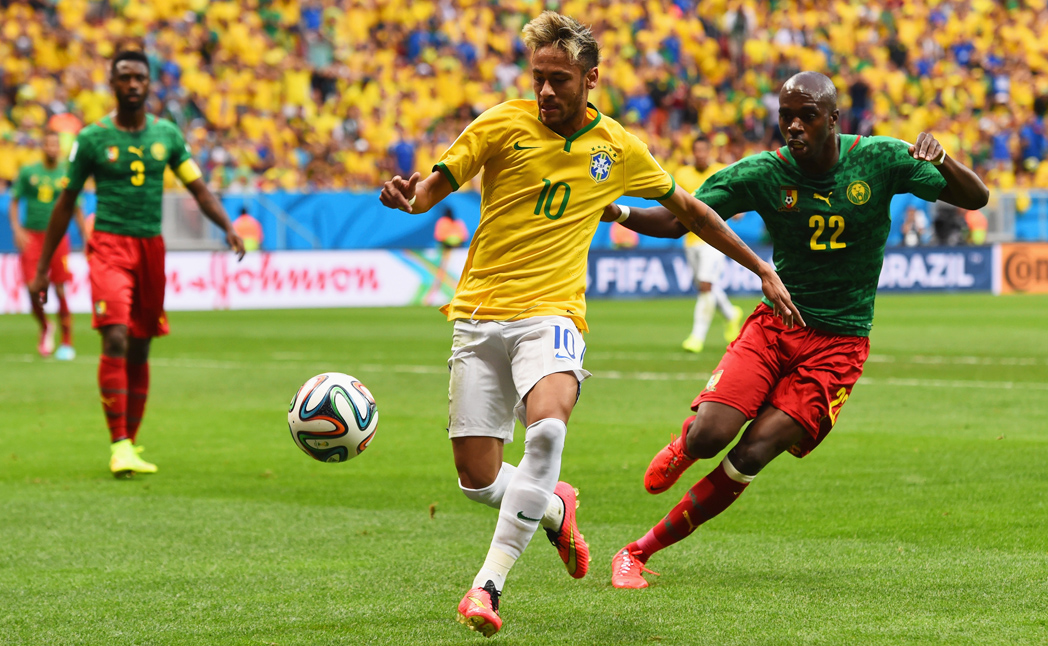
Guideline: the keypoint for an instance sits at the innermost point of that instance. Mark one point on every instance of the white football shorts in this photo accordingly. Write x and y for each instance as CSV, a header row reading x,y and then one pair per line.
x,y
494,364
707,263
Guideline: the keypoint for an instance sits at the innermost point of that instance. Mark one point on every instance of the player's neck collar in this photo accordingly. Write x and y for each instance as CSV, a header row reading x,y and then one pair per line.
x,y
111,118
578,133
845,144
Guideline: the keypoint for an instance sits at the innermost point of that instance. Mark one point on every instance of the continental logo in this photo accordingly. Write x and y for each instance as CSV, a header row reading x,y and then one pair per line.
x,y
1024,268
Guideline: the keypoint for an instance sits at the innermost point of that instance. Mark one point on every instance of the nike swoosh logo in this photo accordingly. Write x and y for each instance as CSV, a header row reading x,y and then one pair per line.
x,y
517,146
477,602
521,516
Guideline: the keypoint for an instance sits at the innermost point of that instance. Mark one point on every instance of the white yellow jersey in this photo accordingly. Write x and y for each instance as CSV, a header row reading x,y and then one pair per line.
x,y
541,198
690,179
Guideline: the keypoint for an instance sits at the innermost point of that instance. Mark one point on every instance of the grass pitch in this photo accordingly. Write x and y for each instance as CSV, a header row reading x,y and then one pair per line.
x,y
921,520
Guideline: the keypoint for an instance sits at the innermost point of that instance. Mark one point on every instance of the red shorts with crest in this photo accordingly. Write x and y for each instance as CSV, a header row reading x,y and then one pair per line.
x,y
805,373
30,256
127,283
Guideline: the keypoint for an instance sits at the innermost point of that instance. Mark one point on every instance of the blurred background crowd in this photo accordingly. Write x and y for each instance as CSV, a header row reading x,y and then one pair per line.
x,y
326,94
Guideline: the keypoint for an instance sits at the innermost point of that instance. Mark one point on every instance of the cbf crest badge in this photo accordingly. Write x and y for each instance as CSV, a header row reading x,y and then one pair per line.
x,y
600,166
112,153
789,198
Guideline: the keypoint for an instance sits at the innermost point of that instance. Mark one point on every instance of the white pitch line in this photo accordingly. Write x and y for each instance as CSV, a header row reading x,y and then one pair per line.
x,y
439,369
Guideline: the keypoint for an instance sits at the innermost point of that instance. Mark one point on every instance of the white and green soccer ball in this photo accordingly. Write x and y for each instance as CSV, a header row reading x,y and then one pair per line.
x,y
332,417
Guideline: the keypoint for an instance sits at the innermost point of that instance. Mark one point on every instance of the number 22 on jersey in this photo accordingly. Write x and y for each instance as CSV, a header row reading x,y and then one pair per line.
x,y
819,223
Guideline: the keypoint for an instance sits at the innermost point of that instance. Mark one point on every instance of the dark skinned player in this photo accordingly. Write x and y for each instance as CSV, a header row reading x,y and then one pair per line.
x,y
824,199
126,152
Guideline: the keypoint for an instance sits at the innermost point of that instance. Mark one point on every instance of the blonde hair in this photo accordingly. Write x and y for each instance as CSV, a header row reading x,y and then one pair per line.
x,y
551,29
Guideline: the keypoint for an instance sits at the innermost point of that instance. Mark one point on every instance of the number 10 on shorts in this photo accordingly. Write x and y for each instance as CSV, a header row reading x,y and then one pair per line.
x,y
563,341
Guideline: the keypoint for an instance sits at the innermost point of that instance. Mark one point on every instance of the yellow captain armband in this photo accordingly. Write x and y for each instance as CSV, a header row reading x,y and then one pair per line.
x,y
188,171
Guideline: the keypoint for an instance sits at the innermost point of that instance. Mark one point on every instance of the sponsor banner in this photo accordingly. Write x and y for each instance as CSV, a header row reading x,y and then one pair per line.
x,y
912,269
302,279
206,280
645,273
665,272
1023,268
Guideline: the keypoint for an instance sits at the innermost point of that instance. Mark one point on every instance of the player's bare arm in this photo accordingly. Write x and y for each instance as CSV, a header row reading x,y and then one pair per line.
x,y
56,228
963,189
398,192
20,236
704,222
215,212
656,223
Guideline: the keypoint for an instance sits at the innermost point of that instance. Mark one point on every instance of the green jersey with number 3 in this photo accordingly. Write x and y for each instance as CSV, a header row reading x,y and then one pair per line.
x,y
39,185
828,231
128,168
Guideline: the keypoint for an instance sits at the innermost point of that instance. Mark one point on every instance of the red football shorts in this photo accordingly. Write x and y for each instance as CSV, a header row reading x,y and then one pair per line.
x,y
803,372
127,283
59,271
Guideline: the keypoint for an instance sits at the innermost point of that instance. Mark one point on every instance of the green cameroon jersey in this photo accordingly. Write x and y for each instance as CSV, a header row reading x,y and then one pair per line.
x,y
39,186
828,231
129,172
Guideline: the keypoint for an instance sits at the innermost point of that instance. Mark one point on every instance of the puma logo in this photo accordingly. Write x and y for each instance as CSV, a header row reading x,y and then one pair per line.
x,y
137,151
824,199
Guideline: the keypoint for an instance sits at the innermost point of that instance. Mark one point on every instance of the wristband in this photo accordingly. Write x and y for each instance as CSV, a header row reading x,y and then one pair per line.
x,y
625,213
940,160
411,202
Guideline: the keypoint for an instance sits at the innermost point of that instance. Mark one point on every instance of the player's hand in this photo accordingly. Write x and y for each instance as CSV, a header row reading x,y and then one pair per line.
x,y
777,293
38,288
612,212
398,192
21,239
236,243
928,148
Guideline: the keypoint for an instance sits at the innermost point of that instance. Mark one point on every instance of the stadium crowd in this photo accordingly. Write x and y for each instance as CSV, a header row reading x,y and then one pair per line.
x,y
323,94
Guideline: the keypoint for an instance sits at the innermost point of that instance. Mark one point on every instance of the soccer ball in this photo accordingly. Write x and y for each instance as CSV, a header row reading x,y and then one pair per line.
x,y
332,417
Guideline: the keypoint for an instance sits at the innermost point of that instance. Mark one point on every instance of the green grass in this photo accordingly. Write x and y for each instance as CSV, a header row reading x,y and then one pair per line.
x,y
921,520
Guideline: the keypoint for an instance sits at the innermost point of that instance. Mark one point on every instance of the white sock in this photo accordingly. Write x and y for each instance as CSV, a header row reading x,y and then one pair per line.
x,y
527,498
496,566
492,494
723,304
704,306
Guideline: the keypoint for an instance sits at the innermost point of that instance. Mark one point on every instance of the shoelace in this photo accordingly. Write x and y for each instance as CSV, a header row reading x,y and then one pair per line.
x,y
489,587
678,455
630,561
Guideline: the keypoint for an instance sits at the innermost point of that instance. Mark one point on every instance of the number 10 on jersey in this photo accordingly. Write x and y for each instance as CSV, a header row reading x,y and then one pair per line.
x,y
549,195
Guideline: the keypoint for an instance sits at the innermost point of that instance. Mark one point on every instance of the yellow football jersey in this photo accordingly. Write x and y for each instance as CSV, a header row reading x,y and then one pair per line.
x,y
690,179
541,198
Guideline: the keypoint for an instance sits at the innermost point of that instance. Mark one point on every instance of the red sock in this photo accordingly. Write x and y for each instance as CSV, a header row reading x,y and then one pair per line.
x,y
709,497
112,383
137,391
65,320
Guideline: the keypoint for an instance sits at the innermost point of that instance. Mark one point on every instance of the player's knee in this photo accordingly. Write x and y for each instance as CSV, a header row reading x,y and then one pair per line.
x,y
546,436
750,458
704,439
114,342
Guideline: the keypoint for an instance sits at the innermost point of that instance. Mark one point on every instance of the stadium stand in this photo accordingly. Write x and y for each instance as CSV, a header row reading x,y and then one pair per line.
x,y
321,95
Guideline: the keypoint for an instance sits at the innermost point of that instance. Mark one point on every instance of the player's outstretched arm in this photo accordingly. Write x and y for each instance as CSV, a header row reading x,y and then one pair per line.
x,y
215,212
56,229
398,192
705,223
963,187
657,222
